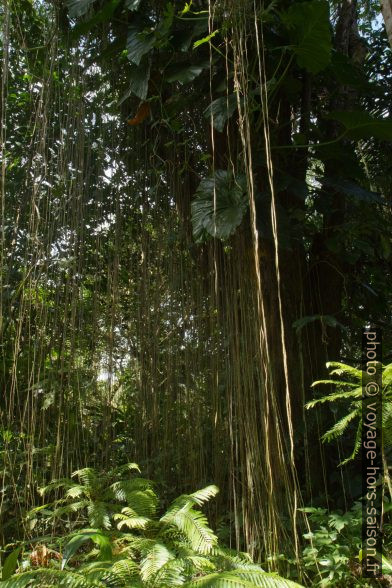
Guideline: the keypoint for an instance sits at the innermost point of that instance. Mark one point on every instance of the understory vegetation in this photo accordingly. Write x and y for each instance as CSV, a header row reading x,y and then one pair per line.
x,y
195,231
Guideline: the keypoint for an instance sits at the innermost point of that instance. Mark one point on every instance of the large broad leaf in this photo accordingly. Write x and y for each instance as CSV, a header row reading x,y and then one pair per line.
x,y
347,72
219,206
103,15
308,23
139,77
77,541
139,43
77,8
360,124
220,110
10,564
184,73
325,319
352,189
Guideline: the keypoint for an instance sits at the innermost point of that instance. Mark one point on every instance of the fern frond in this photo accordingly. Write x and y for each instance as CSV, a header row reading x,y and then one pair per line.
x,y
88,476
157,556
55,485
75,491
237,579
337,383
194,526
126,570
357,445
387,423
265,579
196,498
338,429
204,494
98,515
144,503
200,564
132,521
170,574
51,578
70,508
387,375
122,488
341,369
357,393
127,467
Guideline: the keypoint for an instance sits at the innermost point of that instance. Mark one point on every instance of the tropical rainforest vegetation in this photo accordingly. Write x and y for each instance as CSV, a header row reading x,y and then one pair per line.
x,y
195,228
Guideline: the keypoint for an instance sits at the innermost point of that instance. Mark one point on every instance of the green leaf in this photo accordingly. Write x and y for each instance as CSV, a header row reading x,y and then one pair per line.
x,y
351,189
308,24
139,43
325,319
10,564
360,124
194,527
139,76
220,110
132,4
183,73
219,206
156,557
100,16
242,579
77,8
205,39
77,541
186,8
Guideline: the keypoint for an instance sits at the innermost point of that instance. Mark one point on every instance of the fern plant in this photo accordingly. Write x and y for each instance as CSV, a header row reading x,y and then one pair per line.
x,y
136,545
95,497
348,388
